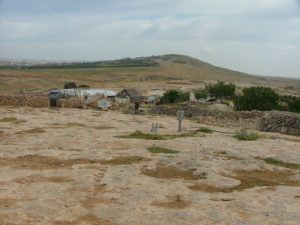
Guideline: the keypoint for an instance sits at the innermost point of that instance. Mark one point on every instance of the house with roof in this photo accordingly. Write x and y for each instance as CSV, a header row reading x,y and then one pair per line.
x,y
131,95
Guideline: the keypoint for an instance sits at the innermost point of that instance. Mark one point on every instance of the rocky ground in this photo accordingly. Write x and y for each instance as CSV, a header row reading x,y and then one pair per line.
x,y
70,166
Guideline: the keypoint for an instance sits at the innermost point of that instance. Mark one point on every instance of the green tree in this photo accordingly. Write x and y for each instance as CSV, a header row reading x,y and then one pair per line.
x,y
221,90
173,95
294,105
257,98
200,93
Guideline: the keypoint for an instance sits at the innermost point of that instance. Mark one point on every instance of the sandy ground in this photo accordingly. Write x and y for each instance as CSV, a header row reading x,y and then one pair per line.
x,y
67,167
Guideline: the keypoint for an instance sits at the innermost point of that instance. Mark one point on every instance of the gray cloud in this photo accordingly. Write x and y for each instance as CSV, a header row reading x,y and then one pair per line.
x,y
250,35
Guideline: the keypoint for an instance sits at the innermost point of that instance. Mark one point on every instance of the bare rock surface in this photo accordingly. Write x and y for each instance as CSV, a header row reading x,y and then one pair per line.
x,y
70,166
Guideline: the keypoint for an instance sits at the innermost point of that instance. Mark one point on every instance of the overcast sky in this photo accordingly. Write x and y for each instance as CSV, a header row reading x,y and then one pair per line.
x,y
255,36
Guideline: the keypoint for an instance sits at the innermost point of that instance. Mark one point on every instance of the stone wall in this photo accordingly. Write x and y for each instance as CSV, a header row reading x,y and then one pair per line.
x,y
282,122
245,119
35,101
271,121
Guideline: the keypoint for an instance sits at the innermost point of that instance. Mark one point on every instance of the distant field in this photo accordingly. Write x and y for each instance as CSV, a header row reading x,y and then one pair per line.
x,y
163,69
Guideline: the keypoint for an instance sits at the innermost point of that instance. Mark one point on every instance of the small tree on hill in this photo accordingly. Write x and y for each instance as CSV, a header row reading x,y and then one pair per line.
x,y
221,90
257,98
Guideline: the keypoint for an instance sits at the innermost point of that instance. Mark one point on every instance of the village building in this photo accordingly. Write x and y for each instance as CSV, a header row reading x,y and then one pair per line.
x,y
129,95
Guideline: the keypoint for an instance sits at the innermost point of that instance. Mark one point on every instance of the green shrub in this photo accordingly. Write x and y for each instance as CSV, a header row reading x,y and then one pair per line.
x,y
244,136
204,130
221,90
174,96
257,98
294,105
200,93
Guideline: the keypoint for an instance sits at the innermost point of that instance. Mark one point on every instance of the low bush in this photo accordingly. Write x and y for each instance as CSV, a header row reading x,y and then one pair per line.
x,y
157,149
142,135
174,96
244,136
204,130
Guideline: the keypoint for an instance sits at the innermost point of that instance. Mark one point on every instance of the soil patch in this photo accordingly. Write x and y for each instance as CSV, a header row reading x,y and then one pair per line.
x,y
8,202
157,149
32,131
38,178
88,218
90,202
75,125
176,202
103,127
171,173
124,160
42,162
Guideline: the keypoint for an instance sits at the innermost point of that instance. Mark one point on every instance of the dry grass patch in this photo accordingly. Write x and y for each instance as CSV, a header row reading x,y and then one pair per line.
x,y
90,202
102,127
124,160
75,125
176,202
32,131
8,202
8,119
86,219
251,179
171,173
38,178
42,162
277,162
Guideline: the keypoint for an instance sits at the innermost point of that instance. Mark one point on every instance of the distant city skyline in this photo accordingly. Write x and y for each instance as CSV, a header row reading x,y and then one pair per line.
x,y
260,37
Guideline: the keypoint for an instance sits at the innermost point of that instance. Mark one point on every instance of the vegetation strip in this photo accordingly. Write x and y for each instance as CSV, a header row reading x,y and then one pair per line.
x,y
142,135
277,162
243,136
157,149
171,173
204,130
251,179
8,119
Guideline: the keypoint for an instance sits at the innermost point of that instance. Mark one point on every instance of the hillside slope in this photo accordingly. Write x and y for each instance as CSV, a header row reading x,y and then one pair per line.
x,y
142,69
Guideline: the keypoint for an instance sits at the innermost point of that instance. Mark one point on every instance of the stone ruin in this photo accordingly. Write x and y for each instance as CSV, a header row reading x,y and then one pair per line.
x,y
281,122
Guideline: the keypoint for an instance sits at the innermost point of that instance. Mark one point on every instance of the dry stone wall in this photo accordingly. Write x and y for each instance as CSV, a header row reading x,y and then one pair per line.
x,y
282,122
35,101
271,121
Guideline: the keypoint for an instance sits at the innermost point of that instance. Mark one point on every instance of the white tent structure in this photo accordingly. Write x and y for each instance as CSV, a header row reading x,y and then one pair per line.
x,y
85,93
